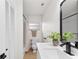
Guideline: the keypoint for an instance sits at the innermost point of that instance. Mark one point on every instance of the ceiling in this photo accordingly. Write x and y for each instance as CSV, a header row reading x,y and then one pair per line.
x,y
34,8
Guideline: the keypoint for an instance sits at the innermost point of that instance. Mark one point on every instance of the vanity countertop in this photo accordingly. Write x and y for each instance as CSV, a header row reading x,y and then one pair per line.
x,y
48,51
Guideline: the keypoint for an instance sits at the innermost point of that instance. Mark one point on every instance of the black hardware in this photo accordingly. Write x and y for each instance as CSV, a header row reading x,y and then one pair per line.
x,y
62,44
76,44
3,56
68,45
62,2
68,48
61,17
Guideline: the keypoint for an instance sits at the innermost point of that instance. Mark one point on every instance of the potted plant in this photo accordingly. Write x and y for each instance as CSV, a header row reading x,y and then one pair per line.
x,y
55,36
67,36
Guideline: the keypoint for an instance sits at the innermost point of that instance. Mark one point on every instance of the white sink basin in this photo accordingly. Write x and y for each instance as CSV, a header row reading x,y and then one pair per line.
x,y
63,55
57,53
46,51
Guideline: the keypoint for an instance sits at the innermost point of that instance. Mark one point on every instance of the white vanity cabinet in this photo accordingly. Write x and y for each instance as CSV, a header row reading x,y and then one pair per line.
x,y
48,51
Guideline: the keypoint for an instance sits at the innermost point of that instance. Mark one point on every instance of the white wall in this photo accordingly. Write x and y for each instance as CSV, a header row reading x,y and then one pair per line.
x,y
26,35
37,20
51,18
34,19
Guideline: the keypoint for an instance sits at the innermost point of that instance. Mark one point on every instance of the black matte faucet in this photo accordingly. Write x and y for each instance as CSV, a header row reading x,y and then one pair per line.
x,y
68,47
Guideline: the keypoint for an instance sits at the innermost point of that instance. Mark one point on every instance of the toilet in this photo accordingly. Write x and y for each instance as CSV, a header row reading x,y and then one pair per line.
x,y
36,37
34,46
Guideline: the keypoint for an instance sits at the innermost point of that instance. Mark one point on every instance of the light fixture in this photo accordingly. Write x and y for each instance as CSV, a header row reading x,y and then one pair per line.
x,y
42,4
33,24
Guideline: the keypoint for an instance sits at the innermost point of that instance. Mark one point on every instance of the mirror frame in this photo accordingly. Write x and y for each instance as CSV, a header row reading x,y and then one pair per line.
x,y
61,33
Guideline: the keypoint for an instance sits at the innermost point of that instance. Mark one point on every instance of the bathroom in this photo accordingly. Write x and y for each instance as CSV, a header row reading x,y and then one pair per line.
x,y
38,29
43,17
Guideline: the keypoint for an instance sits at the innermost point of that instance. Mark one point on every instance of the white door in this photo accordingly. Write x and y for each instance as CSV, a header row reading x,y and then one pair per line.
x,y
4,29
10,31
7,29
